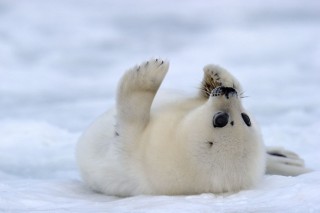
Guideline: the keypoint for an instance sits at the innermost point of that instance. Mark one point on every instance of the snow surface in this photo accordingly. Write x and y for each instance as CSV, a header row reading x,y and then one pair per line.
x,y
60,61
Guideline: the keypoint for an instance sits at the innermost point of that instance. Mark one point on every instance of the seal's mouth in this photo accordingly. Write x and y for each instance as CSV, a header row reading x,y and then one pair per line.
x,y
224,91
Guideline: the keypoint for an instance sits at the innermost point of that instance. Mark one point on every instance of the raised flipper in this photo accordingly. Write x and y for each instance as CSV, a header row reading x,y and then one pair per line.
x,y
136,91
215,76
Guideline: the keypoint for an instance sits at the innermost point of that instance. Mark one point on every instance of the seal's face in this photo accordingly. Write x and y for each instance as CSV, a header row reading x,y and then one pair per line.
x,y
231,124
230,121
223,140
221,119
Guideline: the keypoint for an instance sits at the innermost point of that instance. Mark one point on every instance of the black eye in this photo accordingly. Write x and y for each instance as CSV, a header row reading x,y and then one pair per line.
x,y
220,119
246,119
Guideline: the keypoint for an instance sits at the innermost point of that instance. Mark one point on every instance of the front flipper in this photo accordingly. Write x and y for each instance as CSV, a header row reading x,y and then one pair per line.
x,y
284,162
215,76
136,91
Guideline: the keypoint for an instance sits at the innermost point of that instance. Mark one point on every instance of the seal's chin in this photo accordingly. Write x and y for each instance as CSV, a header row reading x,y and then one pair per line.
x,y
224,91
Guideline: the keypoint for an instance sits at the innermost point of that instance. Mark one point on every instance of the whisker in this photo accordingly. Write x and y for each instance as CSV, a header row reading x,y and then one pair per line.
x,y
243,96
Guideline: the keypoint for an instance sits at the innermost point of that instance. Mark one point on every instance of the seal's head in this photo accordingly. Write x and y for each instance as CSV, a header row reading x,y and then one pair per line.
x,y
224,142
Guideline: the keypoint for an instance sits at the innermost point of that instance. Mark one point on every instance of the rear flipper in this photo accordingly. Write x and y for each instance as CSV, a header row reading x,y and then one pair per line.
x,y
284,162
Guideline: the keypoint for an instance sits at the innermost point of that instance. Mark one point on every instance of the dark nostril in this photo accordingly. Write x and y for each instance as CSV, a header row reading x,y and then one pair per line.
x,y
220,119
246,119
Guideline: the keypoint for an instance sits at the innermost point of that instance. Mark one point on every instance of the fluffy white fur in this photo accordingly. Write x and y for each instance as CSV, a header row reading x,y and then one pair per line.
x,y
172,147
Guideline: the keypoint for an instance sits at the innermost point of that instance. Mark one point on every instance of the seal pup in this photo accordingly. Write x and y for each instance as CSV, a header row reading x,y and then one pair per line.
x,y
178,145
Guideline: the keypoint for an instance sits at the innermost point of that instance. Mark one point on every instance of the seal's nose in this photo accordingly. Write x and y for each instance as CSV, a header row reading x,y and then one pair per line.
x,y
227,91
220,119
